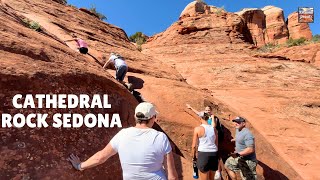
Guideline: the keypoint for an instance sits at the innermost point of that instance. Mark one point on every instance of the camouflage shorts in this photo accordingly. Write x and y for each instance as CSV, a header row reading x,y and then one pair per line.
x,y
232,164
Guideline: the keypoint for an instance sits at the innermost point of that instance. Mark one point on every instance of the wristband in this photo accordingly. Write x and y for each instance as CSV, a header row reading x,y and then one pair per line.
x,y
79,167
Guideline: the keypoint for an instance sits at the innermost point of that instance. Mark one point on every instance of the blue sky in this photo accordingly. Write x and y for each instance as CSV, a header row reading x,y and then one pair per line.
x,y
151,17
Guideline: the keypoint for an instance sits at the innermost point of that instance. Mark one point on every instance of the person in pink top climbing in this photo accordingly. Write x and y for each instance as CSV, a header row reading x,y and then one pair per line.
x,y
82,45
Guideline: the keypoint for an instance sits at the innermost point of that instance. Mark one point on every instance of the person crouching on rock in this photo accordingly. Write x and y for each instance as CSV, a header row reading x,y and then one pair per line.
x,y
119,64
205,138
141,149
82,45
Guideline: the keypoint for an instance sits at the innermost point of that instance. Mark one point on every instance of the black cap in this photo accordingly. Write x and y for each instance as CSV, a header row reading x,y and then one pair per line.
x,y
239,119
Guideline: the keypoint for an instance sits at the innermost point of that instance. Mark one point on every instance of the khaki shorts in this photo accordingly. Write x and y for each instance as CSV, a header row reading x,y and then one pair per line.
x,y
232,164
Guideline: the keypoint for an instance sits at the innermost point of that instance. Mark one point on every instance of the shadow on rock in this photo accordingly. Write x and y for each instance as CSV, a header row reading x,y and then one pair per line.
x,y
270,173
136,82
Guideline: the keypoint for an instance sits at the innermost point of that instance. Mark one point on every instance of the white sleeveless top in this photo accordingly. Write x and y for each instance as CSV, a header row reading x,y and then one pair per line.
x,y
207,142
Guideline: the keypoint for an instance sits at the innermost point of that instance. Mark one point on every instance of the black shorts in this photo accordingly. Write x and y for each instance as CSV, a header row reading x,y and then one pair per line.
x,y
121,72
207,161
83,50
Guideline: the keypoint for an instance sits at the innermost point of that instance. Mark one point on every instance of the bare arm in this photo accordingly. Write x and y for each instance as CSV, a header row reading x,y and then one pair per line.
x,y
74,39
98,158
213,123
246,151
217,136
194,110
194,143
106,64
172,172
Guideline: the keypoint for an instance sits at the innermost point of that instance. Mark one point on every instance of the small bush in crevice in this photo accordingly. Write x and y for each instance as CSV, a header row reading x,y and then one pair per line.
x,y
70,5
296,42
93,10
269,47
32,25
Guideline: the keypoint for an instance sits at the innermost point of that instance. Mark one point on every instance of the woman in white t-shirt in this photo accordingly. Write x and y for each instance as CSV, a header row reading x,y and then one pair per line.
x,y
205,138
141,149
119,64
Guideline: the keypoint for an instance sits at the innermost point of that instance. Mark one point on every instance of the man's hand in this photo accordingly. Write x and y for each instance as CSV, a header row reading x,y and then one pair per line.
x,y
75,161
233,140
234,155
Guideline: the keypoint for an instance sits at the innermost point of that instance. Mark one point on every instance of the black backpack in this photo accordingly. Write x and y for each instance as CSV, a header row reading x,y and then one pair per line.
x,y
219,128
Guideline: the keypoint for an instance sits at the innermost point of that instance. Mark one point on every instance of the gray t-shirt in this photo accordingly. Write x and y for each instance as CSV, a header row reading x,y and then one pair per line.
x,y
244,139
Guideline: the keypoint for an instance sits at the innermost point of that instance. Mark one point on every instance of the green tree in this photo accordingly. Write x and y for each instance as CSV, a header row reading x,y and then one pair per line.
x,y
138,38
316,38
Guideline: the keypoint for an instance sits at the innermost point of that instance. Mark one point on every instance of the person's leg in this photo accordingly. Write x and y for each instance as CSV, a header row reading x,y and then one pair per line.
x,y
203,175
231,174
203,165
252,165
231,166
220,167
121,73
211,175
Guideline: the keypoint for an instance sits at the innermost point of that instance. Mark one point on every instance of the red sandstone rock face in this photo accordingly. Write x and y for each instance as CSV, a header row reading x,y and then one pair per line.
x,y
192,9
272,93
63,21
305,53
37,63
296,29
196,8
203,25
61,1
42,63
256,23
276,31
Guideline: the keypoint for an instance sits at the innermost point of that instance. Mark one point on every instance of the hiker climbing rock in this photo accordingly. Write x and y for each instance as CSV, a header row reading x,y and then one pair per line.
x,y
141,149
120,66
244,157
205,140
82,46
